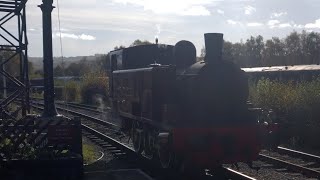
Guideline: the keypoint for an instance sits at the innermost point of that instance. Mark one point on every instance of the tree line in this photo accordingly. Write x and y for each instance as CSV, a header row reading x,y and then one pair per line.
x,y
85,66
294,49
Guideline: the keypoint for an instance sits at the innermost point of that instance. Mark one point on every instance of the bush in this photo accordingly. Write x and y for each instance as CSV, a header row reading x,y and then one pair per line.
x,y
71,91
297,102
94,88
58,93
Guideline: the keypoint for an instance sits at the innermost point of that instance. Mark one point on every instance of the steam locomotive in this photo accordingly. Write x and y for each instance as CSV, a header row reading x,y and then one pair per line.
x,y
181,111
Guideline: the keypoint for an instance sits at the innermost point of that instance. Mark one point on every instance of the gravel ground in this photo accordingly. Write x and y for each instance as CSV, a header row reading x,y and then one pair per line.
x,y
269,172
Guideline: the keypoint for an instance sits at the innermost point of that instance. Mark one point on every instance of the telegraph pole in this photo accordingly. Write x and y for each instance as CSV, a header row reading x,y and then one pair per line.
x,y
49,106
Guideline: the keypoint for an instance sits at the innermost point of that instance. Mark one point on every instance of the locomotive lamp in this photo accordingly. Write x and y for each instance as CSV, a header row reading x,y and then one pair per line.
x,y
49,106
214,45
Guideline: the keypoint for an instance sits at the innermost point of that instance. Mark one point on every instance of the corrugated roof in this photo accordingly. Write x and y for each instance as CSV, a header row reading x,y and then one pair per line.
x,y
311,67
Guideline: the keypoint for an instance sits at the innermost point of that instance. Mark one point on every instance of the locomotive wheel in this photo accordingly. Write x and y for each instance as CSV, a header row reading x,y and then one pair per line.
x,y
149,147
166,156
137,137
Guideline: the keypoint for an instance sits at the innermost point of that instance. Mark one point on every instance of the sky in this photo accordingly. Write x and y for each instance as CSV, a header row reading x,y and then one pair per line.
x,y
90,27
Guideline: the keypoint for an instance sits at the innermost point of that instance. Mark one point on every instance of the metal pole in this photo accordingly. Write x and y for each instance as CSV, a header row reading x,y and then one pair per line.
x,y
4,80
26,68
49,106
4,83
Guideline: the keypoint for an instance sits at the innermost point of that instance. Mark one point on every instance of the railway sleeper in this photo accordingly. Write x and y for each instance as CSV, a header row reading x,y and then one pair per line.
x,y
99,140
106,145
120,154
115,151
112,148
91,137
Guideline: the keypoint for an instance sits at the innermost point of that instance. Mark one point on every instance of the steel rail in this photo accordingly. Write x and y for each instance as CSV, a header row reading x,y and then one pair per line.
x,y
224,172
237,175
109,140
301,154
93,109
86,107
93,119
111,143
294,167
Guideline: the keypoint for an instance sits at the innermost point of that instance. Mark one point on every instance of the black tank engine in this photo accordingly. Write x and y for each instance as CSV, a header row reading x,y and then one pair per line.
x,y
182,111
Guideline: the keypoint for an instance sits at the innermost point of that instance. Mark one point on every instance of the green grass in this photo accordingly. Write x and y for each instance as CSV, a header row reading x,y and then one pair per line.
x,y
90,154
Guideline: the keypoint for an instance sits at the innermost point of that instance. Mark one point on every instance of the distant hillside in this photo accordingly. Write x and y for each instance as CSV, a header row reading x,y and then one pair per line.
x,y
38,61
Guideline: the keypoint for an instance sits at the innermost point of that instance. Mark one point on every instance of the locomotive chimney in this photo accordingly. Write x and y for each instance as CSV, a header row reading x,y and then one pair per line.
x,y
214,45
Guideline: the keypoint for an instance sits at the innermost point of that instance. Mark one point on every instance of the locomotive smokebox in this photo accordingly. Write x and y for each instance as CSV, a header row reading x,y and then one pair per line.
x,y
214,45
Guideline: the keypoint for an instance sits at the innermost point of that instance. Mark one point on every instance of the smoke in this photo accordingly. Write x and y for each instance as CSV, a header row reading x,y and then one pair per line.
x,y
105,110
101,107
158,28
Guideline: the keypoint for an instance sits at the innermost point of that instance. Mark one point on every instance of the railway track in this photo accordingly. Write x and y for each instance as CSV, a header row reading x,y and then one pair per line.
x,y
307,170
90,108
119,149
300,154
306,164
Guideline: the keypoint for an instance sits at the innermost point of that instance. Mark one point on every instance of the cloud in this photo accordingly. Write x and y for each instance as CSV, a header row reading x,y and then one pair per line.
x,y
220,11
196,11
298,26
249,10
273,23
74,36
276,15
285,25
277,24
232,22
314,25
254,24
178,7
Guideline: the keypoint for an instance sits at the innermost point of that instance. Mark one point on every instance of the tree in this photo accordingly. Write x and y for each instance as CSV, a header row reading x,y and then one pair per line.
x,y
254,48
311,48
239,54
274,52
13,65
293,48
138,42
202,54
119,47
59,70
100,64
227,52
